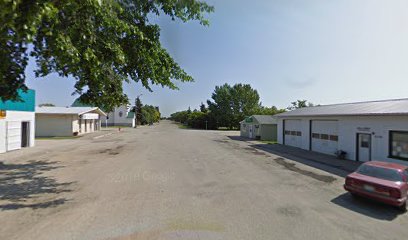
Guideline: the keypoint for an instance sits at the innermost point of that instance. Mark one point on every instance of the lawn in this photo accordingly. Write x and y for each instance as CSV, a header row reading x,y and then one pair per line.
x,y
182,126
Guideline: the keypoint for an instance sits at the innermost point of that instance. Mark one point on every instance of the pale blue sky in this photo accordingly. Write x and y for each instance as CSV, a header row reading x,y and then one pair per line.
x,y
325,51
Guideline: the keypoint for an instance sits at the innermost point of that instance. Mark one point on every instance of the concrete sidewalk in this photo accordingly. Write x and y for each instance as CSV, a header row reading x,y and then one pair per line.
x,y
321,161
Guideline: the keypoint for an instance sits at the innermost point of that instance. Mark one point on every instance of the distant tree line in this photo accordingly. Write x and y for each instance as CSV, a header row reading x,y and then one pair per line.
x,y
146,114
228,106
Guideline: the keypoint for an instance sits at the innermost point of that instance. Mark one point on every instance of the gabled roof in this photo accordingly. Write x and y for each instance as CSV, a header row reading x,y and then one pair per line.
x,y
68,110
372,108
78,103
261,119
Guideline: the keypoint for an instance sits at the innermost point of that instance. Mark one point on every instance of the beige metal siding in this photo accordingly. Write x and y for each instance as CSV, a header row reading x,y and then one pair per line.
x,y
50,125
269,132
75,124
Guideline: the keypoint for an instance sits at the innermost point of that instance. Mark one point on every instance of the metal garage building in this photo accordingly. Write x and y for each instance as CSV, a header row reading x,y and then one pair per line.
x,y
17,121
67,121
365,131
263,127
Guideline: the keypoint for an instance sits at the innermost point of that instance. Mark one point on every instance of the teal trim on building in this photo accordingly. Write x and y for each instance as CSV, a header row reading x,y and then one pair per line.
x,y
131,115
27,104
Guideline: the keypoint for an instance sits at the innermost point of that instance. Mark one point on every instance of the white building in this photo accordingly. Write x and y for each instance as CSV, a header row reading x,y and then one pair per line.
x,y
17,122
67,121
366,131
262,127
121,116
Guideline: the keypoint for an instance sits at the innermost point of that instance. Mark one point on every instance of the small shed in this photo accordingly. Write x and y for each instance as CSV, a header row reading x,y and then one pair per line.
x,y
262,127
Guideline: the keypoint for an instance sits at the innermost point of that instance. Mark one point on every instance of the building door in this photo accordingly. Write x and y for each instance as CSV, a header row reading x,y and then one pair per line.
x,y
13,135
324,136
25,134
363,147
251,131
293,133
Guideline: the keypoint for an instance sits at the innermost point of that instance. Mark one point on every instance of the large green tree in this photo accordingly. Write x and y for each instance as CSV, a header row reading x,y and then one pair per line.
x,y
231,104
100,43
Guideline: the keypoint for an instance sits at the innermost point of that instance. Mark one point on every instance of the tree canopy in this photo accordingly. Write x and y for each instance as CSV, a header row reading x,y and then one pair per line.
x,y
231,104
300,104
46,105
100,43
150,114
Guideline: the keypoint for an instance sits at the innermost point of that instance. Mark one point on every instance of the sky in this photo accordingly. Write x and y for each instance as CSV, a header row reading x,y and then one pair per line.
x,y
323,51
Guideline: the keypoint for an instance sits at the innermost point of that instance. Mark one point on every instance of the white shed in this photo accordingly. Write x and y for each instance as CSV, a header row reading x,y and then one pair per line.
x,y
365,131
67,121
263,127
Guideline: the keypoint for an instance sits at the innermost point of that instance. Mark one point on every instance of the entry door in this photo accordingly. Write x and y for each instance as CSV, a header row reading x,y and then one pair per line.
x,y
25,134
13,135
363,147
251,131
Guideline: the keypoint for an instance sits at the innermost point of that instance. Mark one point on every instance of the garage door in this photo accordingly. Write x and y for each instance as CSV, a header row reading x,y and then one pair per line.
x,y
325,136
293,133
13,135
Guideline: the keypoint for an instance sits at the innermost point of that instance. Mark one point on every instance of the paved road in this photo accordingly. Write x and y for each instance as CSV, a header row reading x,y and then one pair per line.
x,y
162,182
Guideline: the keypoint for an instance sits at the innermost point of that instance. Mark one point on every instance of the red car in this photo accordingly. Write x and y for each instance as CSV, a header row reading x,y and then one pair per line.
x,y
380,181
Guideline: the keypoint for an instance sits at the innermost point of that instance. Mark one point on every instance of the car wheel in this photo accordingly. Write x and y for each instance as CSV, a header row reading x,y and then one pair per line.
x,y
403,207
354,195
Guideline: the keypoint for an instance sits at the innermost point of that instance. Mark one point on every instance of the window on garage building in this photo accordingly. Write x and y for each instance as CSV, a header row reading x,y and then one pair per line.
x,y
399,145
298,133
287,132
293,133
315,135
334,138
324,136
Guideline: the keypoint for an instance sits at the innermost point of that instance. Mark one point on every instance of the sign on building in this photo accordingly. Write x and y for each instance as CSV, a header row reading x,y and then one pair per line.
x,y
2,114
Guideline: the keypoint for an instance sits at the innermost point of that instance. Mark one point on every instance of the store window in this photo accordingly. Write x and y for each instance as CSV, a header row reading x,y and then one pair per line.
x,y
398,145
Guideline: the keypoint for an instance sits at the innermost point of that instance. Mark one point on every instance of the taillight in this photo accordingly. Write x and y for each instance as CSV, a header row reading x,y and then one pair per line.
x,y
349,181
395,193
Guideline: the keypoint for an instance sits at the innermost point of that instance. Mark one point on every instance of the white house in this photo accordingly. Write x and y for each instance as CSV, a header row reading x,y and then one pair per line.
x,y
120,116
17,122
376,130
67,121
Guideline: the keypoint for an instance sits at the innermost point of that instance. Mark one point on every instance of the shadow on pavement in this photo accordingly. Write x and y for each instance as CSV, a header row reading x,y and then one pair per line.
x,y
367,207
319,161
22,185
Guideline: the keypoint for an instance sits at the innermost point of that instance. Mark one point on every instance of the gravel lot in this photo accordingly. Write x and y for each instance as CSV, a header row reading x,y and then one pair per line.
x,y
161,182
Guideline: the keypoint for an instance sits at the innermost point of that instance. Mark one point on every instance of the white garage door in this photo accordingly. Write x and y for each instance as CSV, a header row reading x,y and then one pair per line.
x,y
325,136
293,133
13,135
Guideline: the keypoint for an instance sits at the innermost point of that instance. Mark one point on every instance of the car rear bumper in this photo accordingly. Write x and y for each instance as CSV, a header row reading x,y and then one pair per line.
x,y
385,199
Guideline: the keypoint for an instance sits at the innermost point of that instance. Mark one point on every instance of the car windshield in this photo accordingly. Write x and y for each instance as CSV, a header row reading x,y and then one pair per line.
x,y
379,172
